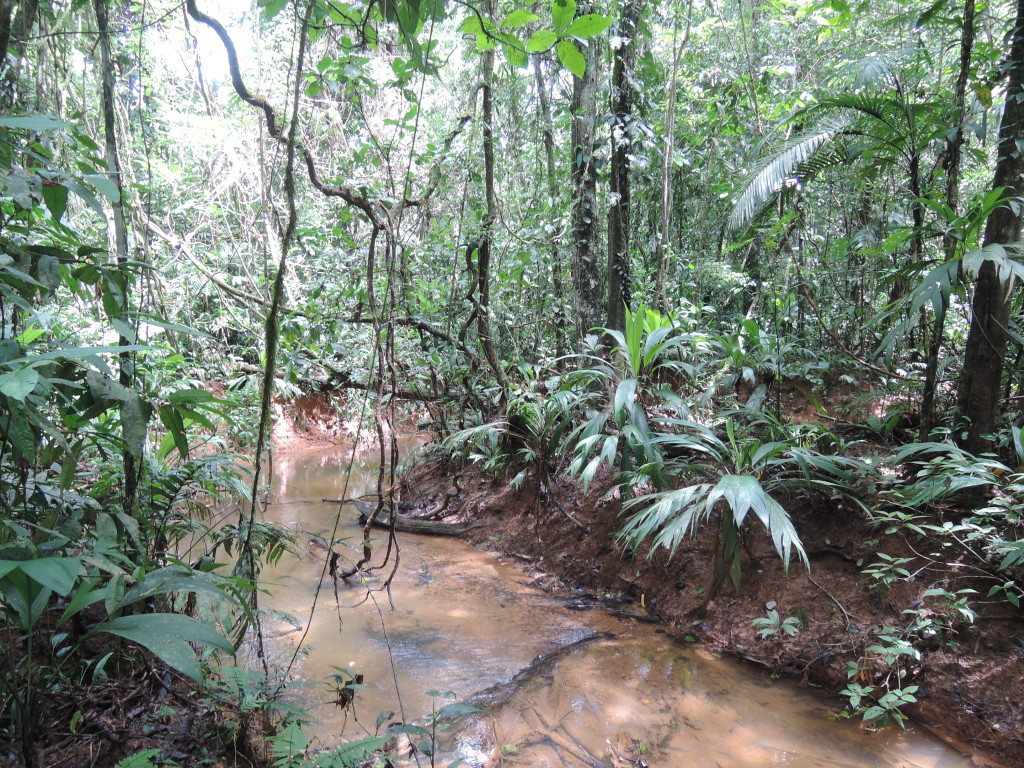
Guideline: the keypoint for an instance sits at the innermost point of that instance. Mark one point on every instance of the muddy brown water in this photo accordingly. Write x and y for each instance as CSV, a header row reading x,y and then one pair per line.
x,y
463,621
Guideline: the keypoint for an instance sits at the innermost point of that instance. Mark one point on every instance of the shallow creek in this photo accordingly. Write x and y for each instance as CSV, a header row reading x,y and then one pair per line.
x,y
464,621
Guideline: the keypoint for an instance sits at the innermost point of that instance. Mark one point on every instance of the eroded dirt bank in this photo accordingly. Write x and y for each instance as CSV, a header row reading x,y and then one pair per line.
x,y
970,679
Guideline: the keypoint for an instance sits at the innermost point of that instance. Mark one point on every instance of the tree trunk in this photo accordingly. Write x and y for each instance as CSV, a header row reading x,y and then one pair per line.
x,y
587,275
14,31
548,134
619,277
483,316
120,233
978,397
667,164
953,153
6,15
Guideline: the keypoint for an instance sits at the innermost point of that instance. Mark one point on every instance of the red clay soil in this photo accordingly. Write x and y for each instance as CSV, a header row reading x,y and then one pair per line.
x,y
971,680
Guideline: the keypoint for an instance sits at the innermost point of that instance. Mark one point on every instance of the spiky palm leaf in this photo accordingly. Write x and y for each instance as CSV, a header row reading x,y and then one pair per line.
x,y
874,108
769,177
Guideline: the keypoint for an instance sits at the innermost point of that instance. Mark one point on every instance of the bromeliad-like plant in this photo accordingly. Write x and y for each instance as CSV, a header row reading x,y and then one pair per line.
x,y
650,349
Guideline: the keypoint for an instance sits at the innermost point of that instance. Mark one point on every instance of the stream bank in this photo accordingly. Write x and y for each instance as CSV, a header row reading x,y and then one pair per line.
x,y
970,682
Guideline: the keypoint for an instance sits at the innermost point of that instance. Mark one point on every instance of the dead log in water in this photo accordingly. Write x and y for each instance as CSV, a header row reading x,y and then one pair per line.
x,y
408,523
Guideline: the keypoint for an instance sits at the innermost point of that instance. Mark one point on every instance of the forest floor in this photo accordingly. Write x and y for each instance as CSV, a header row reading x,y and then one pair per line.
x,y
143,709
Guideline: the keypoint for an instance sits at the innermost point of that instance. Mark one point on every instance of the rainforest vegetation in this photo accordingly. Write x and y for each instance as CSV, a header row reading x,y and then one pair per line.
x,y
724,255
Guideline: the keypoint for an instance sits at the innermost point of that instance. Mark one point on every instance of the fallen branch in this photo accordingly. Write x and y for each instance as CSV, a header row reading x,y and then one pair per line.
x,y
500,694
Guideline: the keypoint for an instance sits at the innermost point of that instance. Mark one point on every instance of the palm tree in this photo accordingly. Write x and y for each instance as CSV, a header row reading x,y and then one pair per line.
x,y
871,120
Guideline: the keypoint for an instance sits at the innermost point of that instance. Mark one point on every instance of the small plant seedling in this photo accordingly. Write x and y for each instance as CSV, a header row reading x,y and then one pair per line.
x,y
887,571
773,624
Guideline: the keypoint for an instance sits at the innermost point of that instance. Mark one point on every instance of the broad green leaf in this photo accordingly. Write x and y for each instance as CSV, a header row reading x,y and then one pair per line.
x,y
56,198
471,25
179,328
625,394
168,635
270,8
167,580
571,58
19,384
516,56
86,195
485,43
541,40
24,188
56,573
519,18
134,410
562,12
171,418
29,335
20,432
191,397
33,123
85,595
105,186
125,329
588,25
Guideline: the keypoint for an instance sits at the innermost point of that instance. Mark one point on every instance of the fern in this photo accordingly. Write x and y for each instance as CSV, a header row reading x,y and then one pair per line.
x,y
352,753
288,746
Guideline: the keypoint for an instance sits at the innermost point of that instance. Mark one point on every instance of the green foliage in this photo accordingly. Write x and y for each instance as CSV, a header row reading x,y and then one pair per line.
x,y
878,711
660,459
774,625
145,758
988,538
886,571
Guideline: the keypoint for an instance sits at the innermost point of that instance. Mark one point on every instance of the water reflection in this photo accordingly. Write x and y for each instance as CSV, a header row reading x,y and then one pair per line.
x,y
463,621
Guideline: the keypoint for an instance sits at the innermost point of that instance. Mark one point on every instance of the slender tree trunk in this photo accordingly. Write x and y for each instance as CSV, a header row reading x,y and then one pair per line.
x,y
548,134
120,243
953,154
587,276
667,163
978,397
6,16
483,317
619,276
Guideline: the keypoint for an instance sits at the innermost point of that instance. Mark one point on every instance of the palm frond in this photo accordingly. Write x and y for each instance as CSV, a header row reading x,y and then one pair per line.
x,y
770,175
891,112
869,72
743,494
671,517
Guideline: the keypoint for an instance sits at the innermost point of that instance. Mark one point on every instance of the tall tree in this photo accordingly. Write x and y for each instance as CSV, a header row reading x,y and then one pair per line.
x,y
587,276
120,240
483,250
667,163
548,134
14,33
619,278
979,386
954,147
